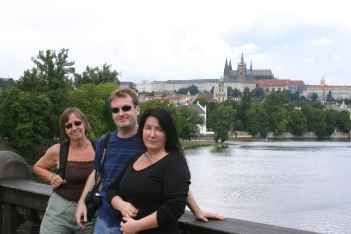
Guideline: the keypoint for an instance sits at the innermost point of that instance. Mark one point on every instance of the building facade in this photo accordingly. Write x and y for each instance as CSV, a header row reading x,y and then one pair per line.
x,y
220,91
338,92
243,74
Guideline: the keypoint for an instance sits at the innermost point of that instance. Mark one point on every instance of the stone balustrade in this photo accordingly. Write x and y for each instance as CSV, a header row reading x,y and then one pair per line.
x,y
23,203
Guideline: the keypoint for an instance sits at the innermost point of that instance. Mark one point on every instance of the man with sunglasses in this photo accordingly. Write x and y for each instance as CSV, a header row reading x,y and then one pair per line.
x,y
123,145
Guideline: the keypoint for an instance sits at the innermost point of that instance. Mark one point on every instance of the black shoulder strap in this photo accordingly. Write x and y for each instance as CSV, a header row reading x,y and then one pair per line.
x,y
63,158
93,143
64,154
103,154
107,140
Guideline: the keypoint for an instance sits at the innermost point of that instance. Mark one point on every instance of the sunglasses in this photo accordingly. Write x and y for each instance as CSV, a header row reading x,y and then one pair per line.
x,y
70,125
125,108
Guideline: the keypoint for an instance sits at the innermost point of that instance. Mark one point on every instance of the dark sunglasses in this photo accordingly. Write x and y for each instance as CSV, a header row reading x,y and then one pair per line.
x,y
115,110
70,125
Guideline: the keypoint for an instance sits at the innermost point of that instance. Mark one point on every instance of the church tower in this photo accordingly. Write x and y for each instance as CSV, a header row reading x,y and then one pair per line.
x,y
220,93
241,72
322,80
227,68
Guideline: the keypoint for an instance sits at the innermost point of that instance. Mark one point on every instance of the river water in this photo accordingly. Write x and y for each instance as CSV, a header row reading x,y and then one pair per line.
x,y
304,185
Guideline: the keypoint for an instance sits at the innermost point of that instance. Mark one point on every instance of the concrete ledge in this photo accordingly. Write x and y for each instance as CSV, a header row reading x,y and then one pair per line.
x,y
233,226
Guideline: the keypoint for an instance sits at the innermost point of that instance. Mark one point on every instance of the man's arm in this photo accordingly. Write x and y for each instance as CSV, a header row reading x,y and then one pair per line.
x,y
199,214
82,209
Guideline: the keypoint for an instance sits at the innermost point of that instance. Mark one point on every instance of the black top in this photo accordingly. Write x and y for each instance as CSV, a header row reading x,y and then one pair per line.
x,y
161,187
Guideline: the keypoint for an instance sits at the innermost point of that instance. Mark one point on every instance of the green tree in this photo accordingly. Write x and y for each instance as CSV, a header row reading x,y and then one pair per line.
x,y
222,120
166,104
331,117
6,84
50,77
317,105
191,89
329,97
344,122
24,117
95,75
297,122
258,93
318,122
93,100
272,103
245,105
279,121
313,96
307,111
252,124
238,125
189,120
210,108
263,121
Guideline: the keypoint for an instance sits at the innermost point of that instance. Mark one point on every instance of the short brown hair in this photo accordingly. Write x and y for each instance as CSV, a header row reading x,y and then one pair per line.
x,y
124,92
64,118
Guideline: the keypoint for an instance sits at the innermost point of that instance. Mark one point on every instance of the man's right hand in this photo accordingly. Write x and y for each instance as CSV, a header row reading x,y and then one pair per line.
x,y
81,214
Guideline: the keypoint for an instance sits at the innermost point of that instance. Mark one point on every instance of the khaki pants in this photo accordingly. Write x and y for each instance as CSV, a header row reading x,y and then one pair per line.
x,y
60,218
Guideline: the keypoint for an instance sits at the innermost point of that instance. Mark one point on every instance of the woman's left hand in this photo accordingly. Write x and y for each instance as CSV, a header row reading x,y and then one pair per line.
x,y
129,226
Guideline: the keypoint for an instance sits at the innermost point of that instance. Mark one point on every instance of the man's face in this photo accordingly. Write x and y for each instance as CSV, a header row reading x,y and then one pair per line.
x,y
126,114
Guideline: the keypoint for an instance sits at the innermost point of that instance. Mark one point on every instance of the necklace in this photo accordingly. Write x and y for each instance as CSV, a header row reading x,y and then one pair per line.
x,y
148,158
87,143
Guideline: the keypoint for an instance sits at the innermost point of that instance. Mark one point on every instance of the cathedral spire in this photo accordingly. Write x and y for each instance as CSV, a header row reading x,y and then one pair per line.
x,y
242,62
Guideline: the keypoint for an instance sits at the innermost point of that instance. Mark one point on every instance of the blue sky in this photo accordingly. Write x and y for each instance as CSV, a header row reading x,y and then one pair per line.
x,y
161,40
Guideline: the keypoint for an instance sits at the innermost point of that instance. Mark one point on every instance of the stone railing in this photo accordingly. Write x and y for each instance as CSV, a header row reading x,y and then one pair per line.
x,y
23,203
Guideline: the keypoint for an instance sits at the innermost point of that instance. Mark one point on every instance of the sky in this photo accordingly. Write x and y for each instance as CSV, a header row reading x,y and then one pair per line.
x,y
180,40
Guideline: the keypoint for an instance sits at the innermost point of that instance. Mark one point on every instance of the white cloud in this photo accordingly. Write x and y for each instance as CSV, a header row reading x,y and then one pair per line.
x,y
156,40
336,57
308,60
324,41
278,68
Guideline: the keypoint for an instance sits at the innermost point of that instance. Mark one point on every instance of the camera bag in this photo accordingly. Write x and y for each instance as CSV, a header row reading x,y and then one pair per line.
x,y
93,199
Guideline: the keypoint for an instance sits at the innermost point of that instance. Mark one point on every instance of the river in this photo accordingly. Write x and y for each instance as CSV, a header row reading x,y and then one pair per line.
x,y
304,185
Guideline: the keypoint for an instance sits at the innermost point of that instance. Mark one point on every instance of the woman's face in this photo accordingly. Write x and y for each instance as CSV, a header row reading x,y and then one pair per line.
x,y
74,127
153,135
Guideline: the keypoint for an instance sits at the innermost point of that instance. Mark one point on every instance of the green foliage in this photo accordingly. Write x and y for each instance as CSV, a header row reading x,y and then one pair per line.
x,y
331,117
245,105
343,121
274,101
6,84
318,122
313,96
317,104
329,97
189,121
234,92
258,93
89,101
95,75
191,89
50,77
222,120
263,120
24,117
280,121
252,124
297,122
238,125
